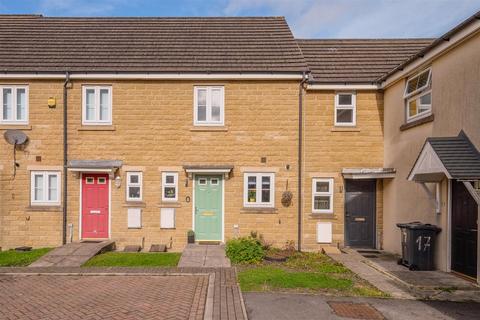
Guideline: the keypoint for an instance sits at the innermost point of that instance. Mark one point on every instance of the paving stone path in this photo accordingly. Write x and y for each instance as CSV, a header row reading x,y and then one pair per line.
x,y
73,254
208,256
120,293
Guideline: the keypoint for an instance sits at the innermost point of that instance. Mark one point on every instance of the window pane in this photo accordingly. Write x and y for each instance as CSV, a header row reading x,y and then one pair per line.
x,y
423,79
21,104
345,99
266,189
321,202
134,178
169,179
134,192
202,113
104,104
216,98
412,108
90,104
412,85
322,186
426,99
215,113
344,115
202,97
7,104
38,185
252,189
169,192
52,187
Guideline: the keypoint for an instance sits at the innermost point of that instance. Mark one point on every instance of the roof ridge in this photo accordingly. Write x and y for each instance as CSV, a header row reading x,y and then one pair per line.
x,y
364,39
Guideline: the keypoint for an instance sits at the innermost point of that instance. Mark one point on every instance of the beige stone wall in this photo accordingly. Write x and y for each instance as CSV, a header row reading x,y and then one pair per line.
x,y
329,149
455,105
20,224
152,128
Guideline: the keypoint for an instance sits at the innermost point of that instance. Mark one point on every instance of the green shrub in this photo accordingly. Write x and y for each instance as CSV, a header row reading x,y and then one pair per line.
x,y
244,250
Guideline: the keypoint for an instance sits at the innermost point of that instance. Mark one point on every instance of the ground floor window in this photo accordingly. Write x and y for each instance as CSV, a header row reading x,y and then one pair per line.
x,y
134,186
45,188
169,186
322,195
259,189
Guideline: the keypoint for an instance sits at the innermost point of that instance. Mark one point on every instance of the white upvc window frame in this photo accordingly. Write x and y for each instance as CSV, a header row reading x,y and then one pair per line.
x,y
97,120
258,190
169,185
417,94
352,107
208,121
138,184
14,120
329,194
45,187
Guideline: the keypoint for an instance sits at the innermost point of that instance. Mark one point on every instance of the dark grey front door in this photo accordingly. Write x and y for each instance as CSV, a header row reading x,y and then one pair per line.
x,y
464,230
360,213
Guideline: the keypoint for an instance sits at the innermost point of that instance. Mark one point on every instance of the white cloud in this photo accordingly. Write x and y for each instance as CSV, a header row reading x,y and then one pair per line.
x,y
361,18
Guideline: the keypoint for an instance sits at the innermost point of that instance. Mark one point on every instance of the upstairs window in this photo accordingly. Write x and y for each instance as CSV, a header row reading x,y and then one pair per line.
x,y
134,186
322,195
259,190
97,105
169,186
45,188
418,95
345,109
209,106
14,104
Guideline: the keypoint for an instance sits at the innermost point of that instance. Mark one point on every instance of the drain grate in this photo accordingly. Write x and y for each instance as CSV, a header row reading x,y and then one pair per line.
x,y
362,311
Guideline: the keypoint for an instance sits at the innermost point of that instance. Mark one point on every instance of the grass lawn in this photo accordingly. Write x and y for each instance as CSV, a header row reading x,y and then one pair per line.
x,y
305,272
12,258
134,259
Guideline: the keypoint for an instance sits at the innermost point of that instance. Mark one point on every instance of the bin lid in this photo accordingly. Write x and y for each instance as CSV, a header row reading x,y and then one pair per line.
x,y
419,226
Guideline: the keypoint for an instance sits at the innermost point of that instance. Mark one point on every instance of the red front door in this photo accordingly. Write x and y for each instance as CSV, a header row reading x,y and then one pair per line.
x,y
95,205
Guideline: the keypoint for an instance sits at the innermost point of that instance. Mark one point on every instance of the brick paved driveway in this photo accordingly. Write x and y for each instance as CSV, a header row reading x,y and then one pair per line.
x,y
102,297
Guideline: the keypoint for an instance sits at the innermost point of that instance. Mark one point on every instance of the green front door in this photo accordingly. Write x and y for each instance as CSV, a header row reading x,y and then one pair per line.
x,y
208,208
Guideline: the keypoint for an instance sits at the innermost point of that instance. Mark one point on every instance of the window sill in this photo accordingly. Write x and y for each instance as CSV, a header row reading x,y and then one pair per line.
x,y
417,122
326,216
345,129
97,128
15,126
173,204
209,128
44,208
259,210
134,204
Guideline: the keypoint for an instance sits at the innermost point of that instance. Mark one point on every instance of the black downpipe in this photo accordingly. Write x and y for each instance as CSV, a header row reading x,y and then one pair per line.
x,y
300,150
65,158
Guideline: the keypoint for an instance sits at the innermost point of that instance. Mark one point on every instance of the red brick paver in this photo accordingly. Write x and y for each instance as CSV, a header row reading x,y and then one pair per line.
x,y
102,297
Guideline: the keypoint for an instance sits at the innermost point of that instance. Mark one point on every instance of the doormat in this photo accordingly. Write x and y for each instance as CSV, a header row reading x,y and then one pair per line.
x,y
371,256
362,311
209,242
369,251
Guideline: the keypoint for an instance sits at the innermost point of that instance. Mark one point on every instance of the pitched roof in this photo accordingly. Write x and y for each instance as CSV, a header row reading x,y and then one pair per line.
x,y
458,155
356,60
33,43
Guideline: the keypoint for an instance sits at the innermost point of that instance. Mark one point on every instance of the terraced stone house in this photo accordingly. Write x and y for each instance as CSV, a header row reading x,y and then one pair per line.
x,y
140,129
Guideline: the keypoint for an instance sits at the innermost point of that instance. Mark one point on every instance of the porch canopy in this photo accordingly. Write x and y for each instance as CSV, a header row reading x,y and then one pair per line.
x,y
447,157
368,173
451,157
224,170
107,166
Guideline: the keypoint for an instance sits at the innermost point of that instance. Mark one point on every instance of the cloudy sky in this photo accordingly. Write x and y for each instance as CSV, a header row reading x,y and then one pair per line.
x,y
307,18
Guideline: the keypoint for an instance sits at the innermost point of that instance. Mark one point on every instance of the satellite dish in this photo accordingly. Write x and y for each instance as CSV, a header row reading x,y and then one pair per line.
x,y
15,137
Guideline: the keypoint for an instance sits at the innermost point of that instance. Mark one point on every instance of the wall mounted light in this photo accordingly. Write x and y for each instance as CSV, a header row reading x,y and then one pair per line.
x,y
118,181
52,102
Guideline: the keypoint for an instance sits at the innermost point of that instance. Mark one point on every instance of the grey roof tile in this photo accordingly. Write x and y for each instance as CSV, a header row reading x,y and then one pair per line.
x,y
32,43
458,155
356,60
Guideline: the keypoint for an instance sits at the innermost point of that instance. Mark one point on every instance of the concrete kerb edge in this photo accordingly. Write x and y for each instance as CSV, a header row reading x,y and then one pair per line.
x,y
208,311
